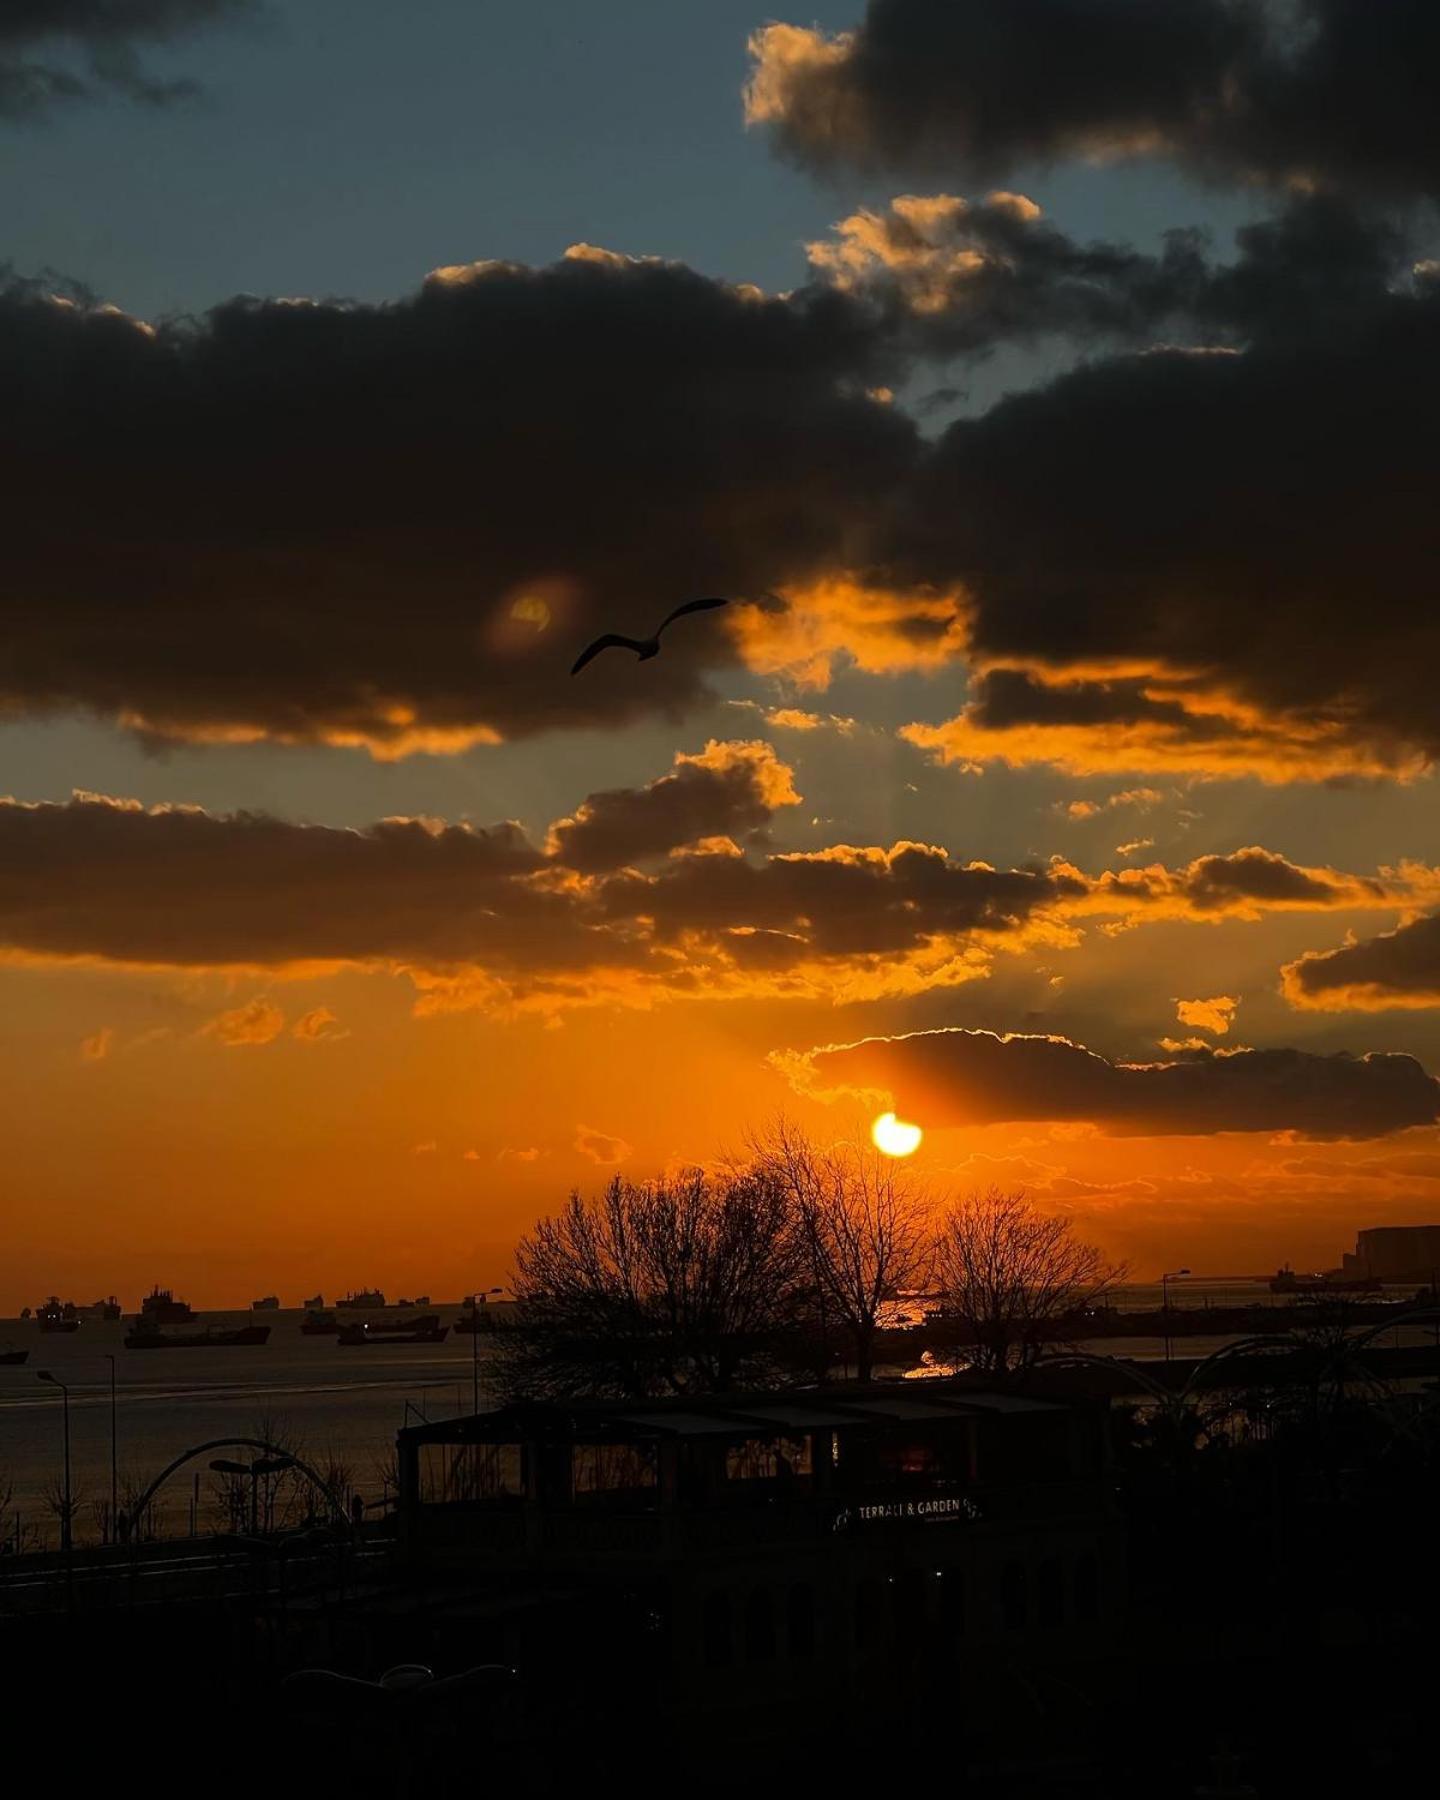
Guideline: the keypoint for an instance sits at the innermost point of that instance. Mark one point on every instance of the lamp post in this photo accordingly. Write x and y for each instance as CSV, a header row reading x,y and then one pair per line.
x,y
114,1456
477,1300
263,1465
68,1502
1165,1280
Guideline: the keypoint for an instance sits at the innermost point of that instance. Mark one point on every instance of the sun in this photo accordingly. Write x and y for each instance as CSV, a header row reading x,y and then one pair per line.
x,y
894,1136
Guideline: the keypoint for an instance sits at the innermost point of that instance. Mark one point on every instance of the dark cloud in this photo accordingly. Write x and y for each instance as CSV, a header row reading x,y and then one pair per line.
x,y
393,524
844,901
390,526
955,1077
1257,877
176,885
729,790
1232,555
481,916
1334,90
959,278
52,51
1397,968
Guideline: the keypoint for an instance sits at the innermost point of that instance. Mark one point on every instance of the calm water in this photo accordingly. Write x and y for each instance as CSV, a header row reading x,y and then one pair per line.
x,y
326,1400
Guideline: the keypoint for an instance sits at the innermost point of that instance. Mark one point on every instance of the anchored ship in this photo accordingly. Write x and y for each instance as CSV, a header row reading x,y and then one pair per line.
x,y
143,1336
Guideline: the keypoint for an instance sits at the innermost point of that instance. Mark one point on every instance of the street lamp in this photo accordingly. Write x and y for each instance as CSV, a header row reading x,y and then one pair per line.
x,y
1165,1280
114,1464
477,1300
263,1465
69,1503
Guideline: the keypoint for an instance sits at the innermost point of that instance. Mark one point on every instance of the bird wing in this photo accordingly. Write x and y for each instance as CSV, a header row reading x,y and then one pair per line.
x,y
689,607
611,641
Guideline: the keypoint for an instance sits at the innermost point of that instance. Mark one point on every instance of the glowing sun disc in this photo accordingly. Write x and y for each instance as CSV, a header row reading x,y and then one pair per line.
x,y
894,1136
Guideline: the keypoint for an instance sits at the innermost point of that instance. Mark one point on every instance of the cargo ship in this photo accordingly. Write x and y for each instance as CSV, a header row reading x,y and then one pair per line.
x,y
57,1315
270,1303
316,1303
144,1336
1286,1281
97,1309
367,1300
160,1307
424,1329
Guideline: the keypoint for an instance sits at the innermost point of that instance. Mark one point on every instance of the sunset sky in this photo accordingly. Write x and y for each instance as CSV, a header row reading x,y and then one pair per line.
x,y
1051,386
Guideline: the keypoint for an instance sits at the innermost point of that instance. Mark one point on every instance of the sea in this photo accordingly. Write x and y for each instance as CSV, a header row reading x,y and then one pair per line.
x,y
337,1406
330,1404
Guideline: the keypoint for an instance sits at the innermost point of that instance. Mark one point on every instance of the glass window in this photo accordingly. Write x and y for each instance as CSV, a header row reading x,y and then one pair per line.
x,y
471,1474
777,1459
614,1473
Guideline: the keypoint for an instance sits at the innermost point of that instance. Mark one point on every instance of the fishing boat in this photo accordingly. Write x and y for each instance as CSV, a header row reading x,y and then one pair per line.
x,y
10,1358
425,1329
57,1315
143,1336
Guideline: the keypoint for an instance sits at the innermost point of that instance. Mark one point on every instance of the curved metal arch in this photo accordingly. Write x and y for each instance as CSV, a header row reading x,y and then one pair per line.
x,y
1085,1359
1241,1346
233,1443
1420,1315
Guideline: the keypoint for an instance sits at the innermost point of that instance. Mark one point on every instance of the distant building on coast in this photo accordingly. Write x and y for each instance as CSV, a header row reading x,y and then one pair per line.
x,y
1396,1253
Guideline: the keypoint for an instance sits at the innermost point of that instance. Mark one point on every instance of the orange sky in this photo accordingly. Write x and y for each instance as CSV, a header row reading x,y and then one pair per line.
x,y
1059,771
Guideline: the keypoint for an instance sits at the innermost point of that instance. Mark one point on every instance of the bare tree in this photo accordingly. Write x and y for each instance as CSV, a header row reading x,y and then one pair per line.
x,y
16,1536
1008,1276
66,1507
684,1285
862,1222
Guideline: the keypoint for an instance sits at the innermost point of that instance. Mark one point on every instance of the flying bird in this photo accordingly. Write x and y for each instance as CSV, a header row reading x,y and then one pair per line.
x,y
644,648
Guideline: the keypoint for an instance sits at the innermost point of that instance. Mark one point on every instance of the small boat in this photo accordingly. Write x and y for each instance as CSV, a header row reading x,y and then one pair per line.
x,y
160,1307
12,1359
319,1322
142,1336
270,1303
424,1330
367,1300
57,1315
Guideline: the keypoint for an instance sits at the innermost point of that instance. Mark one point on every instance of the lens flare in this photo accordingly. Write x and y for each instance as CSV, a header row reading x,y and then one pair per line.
x,y
895,1136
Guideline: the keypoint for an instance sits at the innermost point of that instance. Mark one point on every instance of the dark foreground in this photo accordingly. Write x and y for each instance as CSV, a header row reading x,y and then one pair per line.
x,y
1263,1620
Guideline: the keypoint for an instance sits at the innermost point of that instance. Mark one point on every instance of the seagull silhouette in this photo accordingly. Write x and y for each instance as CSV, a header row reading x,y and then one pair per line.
x,y
644,648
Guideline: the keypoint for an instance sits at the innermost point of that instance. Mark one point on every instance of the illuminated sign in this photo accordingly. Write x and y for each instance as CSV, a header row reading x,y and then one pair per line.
x,y
922,1510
